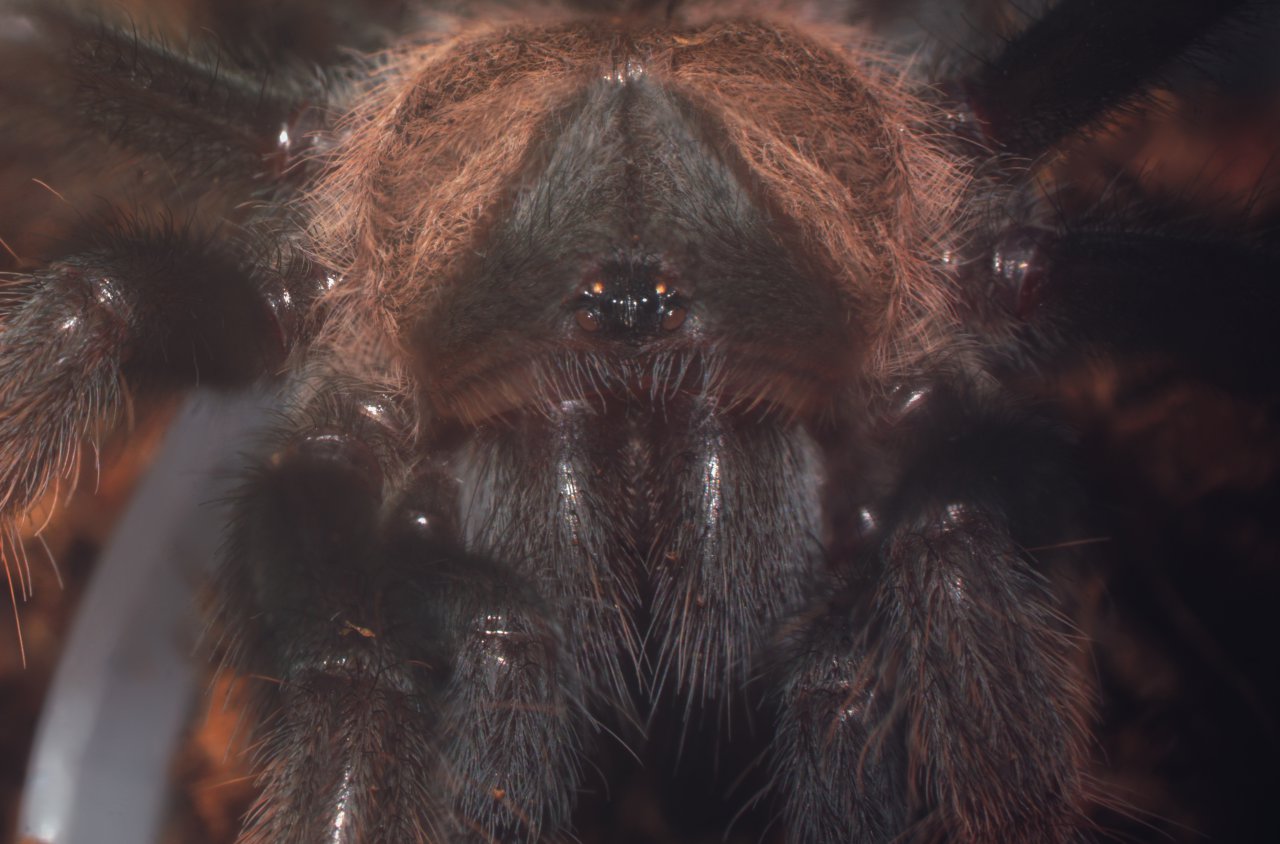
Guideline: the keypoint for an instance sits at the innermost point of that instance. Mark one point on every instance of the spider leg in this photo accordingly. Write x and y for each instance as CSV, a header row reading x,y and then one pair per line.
x,y
546,495
245,109
169,291
936,695
842,763
153,303
430,632
155,310
736,499
1042,88
1204,303
335,609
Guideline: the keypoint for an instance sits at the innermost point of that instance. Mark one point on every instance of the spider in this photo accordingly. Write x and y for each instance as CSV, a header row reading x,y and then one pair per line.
x,y
665,371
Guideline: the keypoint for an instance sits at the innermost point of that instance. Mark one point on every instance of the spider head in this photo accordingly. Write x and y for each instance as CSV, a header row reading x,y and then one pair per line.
x,y
629,258
676,225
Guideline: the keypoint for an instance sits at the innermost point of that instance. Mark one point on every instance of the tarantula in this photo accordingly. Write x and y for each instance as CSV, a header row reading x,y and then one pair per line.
x,y
638,367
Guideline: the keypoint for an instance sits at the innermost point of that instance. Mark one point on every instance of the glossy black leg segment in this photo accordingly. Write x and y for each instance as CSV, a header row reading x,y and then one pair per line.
x,y
1206,305
736,497
1085,57
943,677
156,310
513,717
548,497
340,625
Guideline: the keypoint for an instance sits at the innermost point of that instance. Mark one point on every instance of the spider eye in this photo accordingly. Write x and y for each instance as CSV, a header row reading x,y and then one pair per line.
x,y
1018,264
588,320
630,300
673,317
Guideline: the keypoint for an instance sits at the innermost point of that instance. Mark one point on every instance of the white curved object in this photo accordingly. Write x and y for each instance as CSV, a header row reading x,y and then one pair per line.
x,y
125,685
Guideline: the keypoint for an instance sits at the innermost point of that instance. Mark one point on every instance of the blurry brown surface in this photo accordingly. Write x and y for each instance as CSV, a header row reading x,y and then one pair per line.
x,y
216,787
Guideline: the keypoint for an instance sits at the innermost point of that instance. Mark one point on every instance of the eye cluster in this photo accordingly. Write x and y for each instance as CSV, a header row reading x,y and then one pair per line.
x,y
633,301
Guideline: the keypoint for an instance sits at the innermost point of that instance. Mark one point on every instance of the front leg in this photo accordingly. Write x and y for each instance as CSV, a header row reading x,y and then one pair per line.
x,y
332,607
416,676
547,495
939,695
145,310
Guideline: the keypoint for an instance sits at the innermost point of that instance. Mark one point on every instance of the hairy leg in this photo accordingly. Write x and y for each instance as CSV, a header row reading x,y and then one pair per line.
x,y
938,693
548,497
736,500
